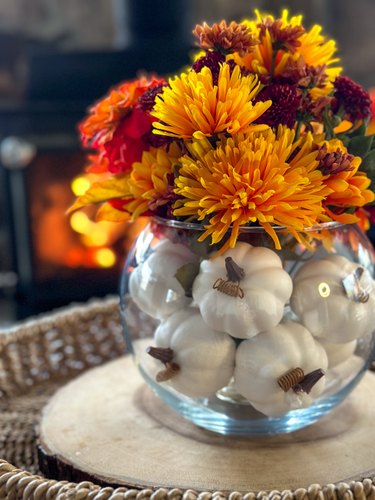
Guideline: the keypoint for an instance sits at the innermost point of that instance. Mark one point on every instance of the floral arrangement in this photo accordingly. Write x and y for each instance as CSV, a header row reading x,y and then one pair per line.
x,y
262,129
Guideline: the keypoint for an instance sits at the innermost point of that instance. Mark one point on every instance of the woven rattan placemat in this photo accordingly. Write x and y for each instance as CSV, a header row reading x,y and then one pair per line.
x,y
38,357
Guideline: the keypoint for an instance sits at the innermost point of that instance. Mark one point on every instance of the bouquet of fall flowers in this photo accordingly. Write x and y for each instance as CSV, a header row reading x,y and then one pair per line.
x,y
262,129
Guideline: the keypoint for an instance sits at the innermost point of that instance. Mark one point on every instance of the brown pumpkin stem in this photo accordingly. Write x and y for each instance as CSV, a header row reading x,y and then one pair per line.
x,y
290,379
353,288
171,369
308,382
235,273
163,354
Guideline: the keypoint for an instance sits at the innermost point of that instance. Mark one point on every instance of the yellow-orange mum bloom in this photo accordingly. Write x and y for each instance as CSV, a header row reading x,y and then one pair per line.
x,y
348,186
315,49
261,178
133,194
150,183
192,106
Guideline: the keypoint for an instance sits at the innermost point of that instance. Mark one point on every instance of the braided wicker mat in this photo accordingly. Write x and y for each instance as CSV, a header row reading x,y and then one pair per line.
x,y
38,357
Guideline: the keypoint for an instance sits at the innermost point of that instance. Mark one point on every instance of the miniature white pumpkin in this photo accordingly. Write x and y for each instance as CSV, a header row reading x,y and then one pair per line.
x,y
198,361
274,370
153,285
243,291
338,353
334,298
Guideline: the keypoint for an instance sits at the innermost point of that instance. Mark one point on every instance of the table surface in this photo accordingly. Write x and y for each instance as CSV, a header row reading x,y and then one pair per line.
x,y
126,435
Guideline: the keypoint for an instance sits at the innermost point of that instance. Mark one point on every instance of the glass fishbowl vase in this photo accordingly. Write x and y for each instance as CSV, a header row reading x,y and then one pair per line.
x,y
250,340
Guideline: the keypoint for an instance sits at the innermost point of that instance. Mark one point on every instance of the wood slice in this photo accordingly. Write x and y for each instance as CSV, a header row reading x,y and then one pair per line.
x,y
108,427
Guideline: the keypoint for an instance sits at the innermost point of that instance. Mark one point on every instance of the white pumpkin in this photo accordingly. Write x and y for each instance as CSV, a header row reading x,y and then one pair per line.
x,y
153,285
335,299
197,360
338,353
246,298
265,363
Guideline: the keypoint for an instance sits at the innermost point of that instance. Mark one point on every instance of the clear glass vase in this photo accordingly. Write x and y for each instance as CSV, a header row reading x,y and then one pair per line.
x,y
252,341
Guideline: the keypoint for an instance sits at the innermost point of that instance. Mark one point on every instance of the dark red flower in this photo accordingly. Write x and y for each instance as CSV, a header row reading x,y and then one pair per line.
x,y
371,210
156,140
352,97
285,102
147,100
211,60
299,73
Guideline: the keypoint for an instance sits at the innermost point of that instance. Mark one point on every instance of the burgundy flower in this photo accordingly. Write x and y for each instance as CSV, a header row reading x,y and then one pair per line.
x,y
303,75
147,100
157,140
352,97
211,60
285,102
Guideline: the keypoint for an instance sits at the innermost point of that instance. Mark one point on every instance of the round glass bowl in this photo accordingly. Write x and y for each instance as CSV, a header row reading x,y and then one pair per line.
x,y
250,341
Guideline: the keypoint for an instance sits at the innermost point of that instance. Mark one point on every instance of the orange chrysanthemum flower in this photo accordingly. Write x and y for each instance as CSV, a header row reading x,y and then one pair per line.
x,y
106,114
193,106
348,187
261,178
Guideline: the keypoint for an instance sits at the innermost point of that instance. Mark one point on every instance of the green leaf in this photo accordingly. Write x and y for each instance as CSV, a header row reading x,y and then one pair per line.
x,y
368,162
336,120
360,145
361,130
186,275
201,248
344,138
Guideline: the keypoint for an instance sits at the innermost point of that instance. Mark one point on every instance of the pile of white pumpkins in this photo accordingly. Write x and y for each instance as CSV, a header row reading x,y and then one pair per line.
x,y
232,329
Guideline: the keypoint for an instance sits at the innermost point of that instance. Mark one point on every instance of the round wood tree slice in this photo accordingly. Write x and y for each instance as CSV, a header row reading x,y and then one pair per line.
x,y
107,426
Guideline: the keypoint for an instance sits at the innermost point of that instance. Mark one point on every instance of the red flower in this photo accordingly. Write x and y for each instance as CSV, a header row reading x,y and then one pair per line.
x,y
372,108
147,100
108,112
128,141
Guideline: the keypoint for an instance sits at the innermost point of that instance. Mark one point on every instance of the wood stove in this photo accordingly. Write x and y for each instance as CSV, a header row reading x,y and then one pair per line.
x,y
45,262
